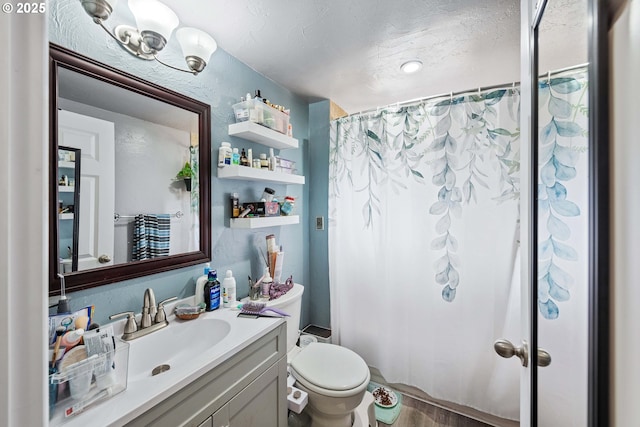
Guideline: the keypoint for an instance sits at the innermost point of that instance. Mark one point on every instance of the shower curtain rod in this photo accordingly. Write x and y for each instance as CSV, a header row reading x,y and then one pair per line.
x,y
479,90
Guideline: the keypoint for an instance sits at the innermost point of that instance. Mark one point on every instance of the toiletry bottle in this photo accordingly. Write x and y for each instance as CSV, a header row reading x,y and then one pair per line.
x,y
250,157
71,338
229,285
212,292
267,281
235,157
244,161
235,205
200,283
224,153
264,163
272,160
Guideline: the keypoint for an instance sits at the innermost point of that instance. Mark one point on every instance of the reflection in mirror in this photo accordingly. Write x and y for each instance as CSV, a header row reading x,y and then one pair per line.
x,y
563,212
134,215
69,172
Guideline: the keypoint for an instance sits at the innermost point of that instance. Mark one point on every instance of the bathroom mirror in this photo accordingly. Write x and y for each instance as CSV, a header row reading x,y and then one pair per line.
x,y
135,215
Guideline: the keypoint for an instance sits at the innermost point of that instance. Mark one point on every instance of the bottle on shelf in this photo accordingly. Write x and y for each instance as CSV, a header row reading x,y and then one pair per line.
x,y
235,157
272,160
264,163
235,205
224,154
244,160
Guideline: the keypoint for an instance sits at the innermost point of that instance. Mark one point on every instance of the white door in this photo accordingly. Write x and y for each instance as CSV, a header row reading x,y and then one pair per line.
x,y
95,139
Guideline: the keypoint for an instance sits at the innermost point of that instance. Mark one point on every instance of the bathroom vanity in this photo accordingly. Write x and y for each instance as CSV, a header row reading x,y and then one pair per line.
x,y
240,380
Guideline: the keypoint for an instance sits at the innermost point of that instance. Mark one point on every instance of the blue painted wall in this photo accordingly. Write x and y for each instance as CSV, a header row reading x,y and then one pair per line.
x,y
221,85
319,116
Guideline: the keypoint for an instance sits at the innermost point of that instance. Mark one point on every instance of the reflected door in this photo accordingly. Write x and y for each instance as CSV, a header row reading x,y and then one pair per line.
x,y
95,139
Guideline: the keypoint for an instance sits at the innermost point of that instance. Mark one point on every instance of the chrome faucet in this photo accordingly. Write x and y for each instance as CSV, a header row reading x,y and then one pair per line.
x,y
152,318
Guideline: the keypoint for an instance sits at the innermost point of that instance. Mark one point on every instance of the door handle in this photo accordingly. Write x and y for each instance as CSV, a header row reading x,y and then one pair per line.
x,y
103,259
506,349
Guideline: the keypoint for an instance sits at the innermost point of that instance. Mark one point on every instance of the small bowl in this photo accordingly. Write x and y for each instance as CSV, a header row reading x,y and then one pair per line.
x,y
187,312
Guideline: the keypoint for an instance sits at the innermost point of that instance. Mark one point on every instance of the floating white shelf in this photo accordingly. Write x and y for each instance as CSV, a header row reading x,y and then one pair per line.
x,y
65,189
69,165
252,174
269,221
262,135
65,216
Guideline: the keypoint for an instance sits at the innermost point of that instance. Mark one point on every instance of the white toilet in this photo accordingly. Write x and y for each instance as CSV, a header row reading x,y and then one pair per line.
x,y
335,377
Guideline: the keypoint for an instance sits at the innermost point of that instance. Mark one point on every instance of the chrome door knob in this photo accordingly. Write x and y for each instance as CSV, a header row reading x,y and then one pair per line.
x,y
103,259
506,349
544,358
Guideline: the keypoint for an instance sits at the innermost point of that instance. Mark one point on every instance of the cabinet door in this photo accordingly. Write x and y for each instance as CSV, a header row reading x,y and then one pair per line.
x,y
207,423
264,402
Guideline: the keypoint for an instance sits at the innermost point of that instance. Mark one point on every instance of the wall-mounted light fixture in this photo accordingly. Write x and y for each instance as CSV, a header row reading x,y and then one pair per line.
x,y
155,22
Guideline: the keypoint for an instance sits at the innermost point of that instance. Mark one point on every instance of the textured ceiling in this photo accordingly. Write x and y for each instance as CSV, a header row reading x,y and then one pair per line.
x,y
350,51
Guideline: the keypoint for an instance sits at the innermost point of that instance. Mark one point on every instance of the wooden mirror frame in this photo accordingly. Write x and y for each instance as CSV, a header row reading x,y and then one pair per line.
x,y
77,280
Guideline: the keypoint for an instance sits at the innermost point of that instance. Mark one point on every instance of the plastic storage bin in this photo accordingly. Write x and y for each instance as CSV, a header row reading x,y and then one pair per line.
x,y
261,113
79,385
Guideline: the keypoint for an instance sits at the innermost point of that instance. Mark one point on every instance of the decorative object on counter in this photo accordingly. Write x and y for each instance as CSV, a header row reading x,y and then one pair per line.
x,y
212,292
278,289
188,312
224,154
155,22
185,174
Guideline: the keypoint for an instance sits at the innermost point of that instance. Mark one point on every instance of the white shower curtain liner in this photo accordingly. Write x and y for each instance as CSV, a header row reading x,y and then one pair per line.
x,y
423,252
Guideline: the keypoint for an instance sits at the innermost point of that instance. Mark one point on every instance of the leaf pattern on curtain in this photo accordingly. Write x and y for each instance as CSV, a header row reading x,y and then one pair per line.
x,y
455,138
462,140
562,140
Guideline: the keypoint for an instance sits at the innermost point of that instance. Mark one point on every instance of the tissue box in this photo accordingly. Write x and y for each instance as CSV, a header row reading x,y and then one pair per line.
x,y
261,209
259,112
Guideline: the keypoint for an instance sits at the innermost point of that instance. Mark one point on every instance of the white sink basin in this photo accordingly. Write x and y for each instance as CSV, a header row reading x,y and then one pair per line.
x,y
174,345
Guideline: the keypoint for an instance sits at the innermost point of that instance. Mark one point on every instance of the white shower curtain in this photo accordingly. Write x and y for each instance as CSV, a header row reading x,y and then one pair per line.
x,y
423,243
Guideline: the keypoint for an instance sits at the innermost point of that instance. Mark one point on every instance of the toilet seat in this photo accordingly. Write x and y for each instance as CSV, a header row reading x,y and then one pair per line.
x,y
330,370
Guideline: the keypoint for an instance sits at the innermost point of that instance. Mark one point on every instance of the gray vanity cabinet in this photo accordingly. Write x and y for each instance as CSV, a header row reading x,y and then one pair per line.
x,y
247,390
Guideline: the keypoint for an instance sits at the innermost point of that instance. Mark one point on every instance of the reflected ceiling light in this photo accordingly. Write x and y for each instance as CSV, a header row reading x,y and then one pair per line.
x,y
154,24
411,66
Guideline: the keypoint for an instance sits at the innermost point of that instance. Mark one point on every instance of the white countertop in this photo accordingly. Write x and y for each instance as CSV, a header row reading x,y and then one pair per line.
x,y
143,394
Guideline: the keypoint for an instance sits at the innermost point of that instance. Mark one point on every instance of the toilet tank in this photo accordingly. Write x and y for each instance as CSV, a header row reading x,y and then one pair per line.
x,y
290,303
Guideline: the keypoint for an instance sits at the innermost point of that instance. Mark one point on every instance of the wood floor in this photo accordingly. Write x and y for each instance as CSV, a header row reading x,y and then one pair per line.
x,y
416,413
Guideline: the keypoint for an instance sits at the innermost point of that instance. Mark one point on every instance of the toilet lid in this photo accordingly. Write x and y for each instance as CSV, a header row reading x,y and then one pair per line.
x,y
330,367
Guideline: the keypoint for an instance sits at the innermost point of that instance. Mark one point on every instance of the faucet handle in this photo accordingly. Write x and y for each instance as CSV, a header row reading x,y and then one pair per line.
x,y
131,325
161,315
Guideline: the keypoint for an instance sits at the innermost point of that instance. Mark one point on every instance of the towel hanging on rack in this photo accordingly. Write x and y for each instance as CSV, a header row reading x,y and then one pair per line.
x,y
151,235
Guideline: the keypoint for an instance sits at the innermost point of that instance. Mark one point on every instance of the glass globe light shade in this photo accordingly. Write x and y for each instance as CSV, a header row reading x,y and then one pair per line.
x,y
196,42
151,15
